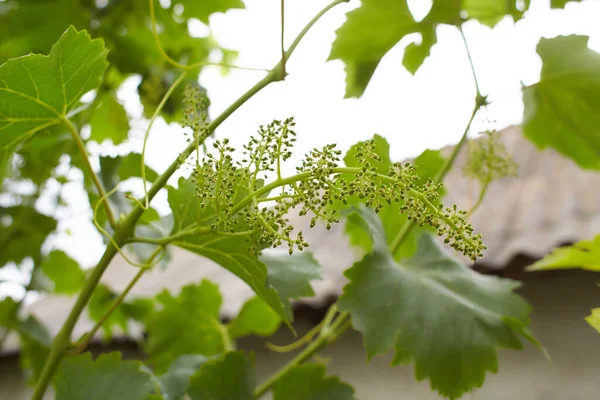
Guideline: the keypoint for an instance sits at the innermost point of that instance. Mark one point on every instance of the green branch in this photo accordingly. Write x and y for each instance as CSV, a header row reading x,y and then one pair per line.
x,y
126,228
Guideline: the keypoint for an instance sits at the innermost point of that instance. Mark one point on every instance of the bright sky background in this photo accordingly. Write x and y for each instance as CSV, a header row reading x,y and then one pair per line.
x,y
428,110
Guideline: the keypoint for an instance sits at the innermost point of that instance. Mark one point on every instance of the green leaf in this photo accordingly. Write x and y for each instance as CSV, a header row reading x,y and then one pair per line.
x,y
594,319
291,275
186,324
35,347
308,382
177,379
230,377
255,318
203,9
64,272
584,254
560,3
561,110
110,121
38,91
229,251
375,27
428,163
466,315
105,378
24,235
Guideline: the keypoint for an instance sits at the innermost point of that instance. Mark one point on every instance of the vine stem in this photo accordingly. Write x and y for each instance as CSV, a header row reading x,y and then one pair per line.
x,y
126,228
81,147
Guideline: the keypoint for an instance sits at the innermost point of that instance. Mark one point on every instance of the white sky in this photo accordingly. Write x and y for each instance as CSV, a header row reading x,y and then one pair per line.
x,y
428,110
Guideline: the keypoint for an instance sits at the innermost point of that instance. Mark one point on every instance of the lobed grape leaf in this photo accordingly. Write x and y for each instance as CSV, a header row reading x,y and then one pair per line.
x,y
108,377
466,315
308,382
39,91
255,318
372,29
65,272
229,377
187,324
561,110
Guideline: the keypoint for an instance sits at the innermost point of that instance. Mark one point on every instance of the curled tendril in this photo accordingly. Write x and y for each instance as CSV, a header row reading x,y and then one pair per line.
x,y
233,192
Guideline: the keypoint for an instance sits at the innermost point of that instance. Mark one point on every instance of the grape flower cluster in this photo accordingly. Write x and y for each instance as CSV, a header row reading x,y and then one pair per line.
x,y
235,193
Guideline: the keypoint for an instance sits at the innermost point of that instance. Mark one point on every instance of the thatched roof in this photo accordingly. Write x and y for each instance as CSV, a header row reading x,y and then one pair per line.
x,y
552,202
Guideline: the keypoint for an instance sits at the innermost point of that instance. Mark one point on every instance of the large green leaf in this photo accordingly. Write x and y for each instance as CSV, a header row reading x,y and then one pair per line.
x,y
64,272
186,324
105,378
230,377
7,312
308,382
584,254
38,91
378,25
465,316
428,163
562,109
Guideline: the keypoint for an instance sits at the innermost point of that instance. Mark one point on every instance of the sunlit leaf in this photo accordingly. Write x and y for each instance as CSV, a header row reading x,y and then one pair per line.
x,y
467,316
39,91
584,254
562,109
594,319
107,377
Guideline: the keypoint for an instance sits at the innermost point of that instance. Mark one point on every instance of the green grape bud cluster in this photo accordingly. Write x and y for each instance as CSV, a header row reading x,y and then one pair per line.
x,y
195,112
489,160
233,191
